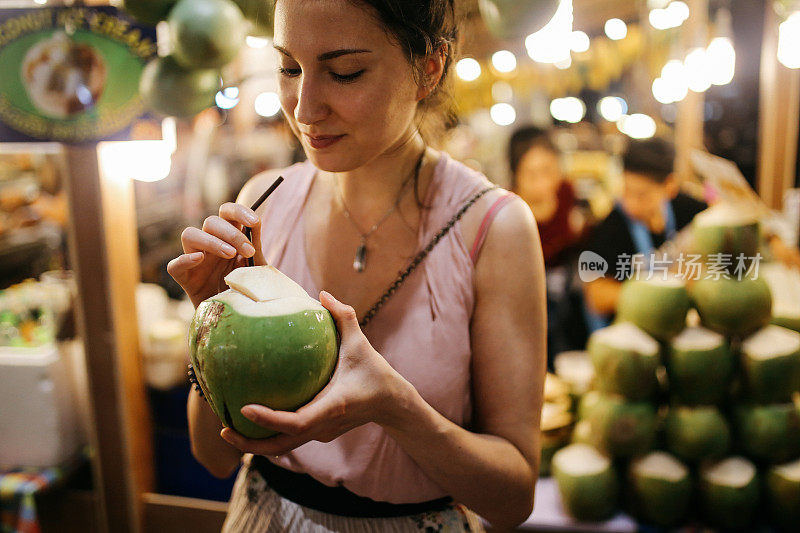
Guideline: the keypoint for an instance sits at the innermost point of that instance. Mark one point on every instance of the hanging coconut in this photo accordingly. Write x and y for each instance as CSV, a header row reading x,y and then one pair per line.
x,y
587,482
658,306
729,494
516,19
700,367
625,359
771,364
168,88
260,14
661,489
206,33
264,341
149,12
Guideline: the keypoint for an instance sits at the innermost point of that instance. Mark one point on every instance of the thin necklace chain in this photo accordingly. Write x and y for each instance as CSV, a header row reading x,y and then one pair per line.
x,y
388,213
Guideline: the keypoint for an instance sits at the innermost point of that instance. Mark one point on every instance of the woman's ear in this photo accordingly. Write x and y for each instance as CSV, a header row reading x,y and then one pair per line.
x,y
432,72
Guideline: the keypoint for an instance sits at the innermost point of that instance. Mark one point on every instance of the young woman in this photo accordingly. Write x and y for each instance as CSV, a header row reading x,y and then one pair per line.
x,y
432,414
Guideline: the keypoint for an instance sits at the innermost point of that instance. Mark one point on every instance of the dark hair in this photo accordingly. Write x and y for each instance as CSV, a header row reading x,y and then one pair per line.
x,y
653,158
422,28
522,140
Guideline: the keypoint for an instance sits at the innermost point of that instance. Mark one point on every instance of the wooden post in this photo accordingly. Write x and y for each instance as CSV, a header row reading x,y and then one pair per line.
x,y
691,115
104,255
779,115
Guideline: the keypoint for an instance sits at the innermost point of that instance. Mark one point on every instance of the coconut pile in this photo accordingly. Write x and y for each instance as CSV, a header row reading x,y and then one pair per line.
x,y
698,420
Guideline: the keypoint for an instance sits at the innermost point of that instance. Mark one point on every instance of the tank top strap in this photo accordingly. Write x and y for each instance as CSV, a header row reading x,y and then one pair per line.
x,y
483,230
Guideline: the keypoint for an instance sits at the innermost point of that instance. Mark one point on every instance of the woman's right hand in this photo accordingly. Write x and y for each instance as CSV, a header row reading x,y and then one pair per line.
x,y
214,251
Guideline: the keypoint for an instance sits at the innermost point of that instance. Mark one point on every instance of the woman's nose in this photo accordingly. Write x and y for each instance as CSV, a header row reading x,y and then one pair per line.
x,y
311,105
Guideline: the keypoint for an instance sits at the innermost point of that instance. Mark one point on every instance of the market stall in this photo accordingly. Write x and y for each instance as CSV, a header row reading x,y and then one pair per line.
x,y
672,398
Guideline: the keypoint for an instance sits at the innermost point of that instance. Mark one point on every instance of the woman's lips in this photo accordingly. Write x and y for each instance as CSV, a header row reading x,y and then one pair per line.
x,y
324,141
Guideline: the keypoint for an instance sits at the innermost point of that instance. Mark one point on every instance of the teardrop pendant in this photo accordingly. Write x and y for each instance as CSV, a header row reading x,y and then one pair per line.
x,y
360,261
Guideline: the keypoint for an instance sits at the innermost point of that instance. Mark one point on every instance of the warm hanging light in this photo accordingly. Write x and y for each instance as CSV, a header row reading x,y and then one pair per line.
x,y
568,109
616,29
468,69
789,41
698,70
612,108
720,53
504,61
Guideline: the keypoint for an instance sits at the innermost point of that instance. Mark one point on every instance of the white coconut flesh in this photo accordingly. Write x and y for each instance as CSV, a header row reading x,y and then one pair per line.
x,y
264,283
725,214
784,284
626,336
695,338
283,306
771,342
789,471
660,465
581,460
735,472
575,368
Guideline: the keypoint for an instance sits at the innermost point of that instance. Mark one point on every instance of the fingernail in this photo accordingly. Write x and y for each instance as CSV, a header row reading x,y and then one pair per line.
x,y
248,250
196,256
227,249
252,219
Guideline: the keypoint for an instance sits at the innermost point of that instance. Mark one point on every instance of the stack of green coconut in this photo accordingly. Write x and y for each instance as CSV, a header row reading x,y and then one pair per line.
x,y
204,36
691,415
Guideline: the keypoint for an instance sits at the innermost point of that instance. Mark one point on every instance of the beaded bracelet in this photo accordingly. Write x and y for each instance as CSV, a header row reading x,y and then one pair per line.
x,y
194,382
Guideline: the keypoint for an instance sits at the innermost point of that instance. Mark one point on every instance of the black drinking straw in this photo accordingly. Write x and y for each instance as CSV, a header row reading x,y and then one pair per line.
x,y
248,232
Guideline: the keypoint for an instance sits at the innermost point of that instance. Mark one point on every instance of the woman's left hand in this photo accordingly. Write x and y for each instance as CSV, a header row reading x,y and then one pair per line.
x,y
363,389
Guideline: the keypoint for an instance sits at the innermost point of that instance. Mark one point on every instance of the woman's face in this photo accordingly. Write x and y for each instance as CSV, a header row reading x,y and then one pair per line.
x,y
346,89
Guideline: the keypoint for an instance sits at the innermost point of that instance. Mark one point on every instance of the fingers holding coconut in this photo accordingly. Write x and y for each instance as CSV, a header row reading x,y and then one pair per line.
x,y
344,315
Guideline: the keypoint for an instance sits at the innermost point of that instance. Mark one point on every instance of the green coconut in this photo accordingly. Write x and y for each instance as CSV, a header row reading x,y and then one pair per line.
x,y
516,19
587,403
729,493
784,284
625,359
771,364
556,425
587,482
149,12
731,306
622,428
661,489
206,33
725,229
279,350
658,306
782,492
168,88
700,366
695,434
769,433
259,13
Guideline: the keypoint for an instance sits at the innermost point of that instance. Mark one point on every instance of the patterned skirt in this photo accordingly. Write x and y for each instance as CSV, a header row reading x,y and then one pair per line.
x,y
255,507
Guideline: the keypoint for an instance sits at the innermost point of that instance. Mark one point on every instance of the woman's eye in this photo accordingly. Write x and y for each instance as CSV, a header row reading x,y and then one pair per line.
x,y
289,72
346,78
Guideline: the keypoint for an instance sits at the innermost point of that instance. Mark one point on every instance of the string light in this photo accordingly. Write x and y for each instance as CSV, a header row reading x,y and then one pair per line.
x,y
616,29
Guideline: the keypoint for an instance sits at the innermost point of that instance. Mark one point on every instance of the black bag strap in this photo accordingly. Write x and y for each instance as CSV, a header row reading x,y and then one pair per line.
x,y
403,275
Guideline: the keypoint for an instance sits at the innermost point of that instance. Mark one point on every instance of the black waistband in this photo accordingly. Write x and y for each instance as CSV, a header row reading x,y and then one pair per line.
x,y
304,490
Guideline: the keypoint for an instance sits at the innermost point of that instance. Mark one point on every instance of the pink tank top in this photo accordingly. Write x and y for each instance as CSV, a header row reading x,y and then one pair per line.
x,y
422,331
